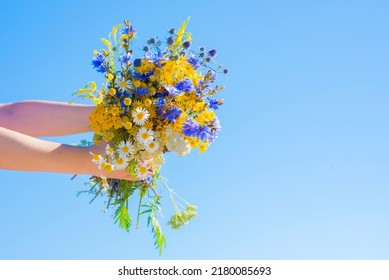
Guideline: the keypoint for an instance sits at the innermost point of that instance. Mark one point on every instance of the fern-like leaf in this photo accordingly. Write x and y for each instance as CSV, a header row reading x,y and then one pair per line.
x,y
159,238
123,217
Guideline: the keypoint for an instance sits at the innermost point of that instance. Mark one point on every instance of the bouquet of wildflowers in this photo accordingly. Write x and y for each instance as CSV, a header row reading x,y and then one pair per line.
x,y
162,102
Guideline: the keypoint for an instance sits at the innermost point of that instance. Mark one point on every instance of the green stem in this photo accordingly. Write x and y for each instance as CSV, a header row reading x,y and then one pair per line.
x,y
140,203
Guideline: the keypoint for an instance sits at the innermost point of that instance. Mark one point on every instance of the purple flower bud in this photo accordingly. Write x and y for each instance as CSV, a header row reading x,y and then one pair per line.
x,y
170,40
186,44
137,62
212,53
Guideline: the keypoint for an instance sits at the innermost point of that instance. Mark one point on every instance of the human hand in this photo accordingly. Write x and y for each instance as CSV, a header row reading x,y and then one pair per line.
x,y
100,149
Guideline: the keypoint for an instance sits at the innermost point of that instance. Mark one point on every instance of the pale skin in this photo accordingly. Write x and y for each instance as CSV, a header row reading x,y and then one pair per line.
x,y
20,149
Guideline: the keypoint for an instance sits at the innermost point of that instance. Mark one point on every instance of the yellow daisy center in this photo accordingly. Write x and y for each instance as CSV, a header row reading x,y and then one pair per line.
x,y
140,116
120,161
145,135
123,84
108,167
152,145
142,170
125,149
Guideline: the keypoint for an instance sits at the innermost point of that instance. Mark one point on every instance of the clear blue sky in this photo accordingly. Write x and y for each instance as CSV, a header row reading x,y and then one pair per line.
x,y
300,170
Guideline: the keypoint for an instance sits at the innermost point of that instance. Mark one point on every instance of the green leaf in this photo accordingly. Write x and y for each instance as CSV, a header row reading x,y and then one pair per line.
x,y
159,238
122,216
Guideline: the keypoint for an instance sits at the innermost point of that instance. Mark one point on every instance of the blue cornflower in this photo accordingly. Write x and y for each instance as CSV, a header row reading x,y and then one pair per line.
x,y
172,114
126,30
161,94
216,124
190,128
213,103
155,57
148,180
140,91
172,90
142,77
194,61
125,57
185,85
204,133
159,102
98,62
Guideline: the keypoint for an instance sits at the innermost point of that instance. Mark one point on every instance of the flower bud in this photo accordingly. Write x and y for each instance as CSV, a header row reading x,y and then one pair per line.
x,y
212,53
137,62
170,40
186,44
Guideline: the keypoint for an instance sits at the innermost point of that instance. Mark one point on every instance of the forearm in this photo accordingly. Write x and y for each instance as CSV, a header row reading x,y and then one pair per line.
x,y
26,153
44,118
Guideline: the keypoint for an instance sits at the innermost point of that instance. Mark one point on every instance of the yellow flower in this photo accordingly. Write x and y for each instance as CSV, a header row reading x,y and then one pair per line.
x,y
112,91
128,125
148,102
115,110
127,101
136,83
93,86
148,125
203,147
194,142
205,117
110,77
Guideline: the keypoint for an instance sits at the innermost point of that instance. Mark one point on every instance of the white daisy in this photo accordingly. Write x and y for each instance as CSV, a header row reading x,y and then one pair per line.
x,y
121,163
123,84
152,146
106,188
109,150
144,136
142,172
102,164
140,116
96,158
125,148
104,182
